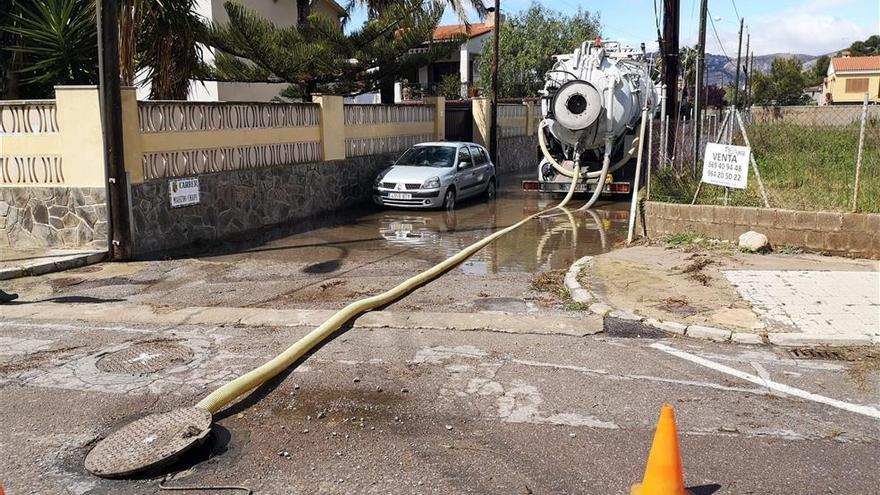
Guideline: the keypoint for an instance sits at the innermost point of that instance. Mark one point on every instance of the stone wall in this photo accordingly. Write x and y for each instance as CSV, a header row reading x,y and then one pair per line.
x,y
517,154
846,234
236,202
73,217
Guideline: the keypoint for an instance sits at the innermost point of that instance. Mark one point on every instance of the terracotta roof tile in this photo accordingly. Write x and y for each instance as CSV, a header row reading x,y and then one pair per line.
x,y
856,63
446,32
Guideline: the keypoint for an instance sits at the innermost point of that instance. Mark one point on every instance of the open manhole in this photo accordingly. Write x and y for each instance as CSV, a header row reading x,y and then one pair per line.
x,y
145,357
809,353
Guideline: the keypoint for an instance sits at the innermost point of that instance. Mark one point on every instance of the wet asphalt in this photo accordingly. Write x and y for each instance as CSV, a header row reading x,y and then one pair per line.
x,y
402,410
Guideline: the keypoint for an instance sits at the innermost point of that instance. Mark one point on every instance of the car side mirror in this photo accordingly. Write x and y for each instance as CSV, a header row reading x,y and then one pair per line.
x,y
463,165
391,163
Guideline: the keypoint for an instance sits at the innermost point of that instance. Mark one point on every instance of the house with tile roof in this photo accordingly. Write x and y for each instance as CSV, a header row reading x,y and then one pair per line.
x,y
465,61
849,78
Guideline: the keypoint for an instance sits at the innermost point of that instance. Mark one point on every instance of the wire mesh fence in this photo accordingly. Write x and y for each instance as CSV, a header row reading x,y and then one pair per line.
x,y
807,158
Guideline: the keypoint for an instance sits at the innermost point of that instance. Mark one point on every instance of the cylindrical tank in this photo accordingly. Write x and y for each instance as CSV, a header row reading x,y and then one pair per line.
x,y
576,97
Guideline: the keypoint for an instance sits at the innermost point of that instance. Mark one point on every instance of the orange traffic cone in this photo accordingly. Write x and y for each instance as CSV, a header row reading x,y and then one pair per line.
x,y
663,475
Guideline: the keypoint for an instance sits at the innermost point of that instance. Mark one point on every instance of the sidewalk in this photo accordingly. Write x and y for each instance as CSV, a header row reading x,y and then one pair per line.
x,y
15,263
791,300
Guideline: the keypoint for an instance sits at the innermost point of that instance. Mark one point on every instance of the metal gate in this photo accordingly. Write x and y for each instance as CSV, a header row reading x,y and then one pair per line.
x,y
459,121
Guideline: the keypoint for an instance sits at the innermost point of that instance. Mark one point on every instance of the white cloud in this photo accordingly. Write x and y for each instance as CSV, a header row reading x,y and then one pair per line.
x,y
805,30
806,33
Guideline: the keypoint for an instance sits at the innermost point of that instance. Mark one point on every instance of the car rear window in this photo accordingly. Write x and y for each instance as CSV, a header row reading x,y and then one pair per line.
x,y
479,155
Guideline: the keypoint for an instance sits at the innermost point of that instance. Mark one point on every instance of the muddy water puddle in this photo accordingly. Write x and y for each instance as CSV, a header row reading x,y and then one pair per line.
x,y
547,243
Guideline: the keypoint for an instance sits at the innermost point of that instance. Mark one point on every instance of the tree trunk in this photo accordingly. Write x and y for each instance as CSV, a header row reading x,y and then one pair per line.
x,y
303,10
386,90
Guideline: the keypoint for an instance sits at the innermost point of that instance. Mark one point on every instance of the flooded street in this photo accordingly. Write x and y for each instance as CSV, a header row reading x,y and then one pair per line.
x,y
550,242
365,252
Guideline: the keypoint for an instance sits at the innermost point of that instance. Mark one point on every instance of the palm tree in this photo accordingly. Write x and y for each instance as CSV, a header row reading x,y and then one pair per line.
x,y
159,40
48,43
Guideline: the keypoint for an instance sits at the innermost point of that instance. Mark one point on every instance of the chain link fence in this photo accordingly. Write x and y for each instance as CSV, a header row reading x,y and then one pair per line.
x,y
807,157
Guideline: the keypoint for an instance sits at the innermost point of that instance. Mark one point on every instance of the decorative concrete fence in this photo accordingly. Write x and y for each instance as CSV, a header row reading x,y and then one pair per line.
x,y
846,234
52,171
254,164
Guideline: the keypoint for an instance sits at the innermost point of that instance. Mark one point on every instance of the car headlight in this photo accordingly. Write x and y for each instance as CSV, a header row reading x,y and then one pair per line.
x,y
432,183
378,180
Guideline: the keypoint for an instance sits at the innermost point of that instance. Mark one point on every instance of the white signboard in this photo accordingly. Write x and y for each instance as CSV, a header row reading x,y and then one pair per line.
x,y
726,165
184,192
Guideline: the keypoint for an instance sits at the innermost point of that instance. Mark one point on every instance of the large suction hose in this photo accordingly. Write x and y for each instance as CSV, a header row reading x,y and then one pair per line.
x,y
221,397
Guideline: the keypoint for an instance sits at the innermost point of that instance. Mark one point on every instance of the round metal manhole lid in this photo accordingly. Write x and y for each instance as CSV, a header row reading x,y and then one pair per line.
x,y
145,357
149,442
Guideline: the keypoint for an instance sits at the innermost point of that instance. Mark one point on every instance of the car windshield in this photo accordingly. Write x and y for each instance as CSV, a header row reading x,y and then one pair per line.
x,y
428,156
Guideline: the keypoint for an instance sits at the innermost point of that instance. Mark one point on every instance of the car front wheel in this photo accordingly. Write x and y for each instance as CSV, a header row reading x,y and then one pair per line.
x,y
449,199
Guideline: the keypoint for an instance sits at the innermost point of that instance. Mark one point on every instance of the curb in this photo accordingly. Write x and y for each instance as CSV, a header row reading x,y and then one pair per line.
x,y
617,323
66,262
132,314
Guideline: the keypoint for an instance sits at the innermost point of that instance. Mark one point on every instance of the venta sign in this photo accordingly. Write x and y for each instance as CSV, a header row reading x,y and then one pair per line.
x,y
726,165
184,192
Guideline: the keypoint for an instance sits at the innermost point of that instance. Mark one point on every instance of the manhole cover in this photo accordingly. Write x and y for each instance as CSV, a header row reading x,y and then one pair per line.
x,y
148,442
809,353
144,358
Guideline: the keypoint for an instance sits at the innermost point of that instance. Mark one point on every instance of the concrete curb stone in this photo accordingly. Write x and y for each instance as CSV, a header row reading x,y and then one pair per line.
x,y
53,265
627,324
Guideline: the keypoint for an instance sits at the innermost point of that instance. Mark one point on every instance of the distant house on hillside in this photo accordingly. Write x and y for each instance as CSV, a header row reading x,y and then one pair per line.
x,y
283,13
816,94
849,78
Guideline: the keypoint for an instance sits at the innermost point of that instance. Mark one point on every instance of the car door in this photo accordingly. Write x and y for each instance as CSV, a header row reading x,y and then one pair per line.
x,y
481,167
466,177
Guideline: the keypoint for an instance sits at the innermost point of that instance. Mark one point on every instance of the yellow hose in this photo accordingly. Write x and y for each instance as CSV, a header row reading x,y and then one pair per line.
x,y
221,397
568,173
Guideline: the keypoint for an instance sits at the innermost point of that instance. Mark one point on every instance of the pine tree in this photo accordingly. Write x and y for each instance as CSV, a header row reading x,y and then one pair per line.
x,y
316,56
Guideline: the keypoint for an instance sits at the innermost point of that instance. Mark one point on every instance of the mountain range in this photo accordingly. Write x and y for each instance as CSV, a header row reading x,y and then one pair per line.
x,y
720,68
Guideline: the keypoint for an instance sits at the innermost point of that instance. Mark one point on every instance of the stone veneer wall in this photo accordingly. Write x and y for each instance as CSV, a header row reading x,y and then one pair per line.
x,y
516,154
847,234
73,217
236,202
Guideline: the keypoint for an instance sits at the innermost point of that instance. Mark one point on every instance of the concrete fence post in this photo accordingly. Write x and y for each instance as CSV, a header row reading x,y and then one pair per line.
x,y
482,110
332,126
439,103
131,136
81,137
855,200
530,117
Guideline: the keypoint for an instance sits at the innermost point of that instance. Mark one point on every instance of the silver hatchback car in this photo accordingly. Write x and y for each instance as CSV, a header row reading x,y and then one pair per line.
x,y
434,175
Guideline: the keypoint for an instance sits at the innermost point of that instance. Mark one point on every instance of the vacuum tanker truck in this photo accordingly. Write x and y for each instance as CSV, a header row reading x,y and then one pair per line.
x,y
591,108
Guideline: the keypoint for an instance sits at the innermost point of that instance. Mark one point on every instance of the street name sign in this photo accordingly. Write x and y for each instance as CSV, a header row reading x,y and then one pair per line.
x,y
726,165
184,192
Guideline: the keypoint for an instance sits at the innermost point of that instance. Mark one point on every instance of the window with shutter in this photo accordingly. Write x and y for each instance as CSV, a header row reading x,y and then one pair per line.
x,y
857,85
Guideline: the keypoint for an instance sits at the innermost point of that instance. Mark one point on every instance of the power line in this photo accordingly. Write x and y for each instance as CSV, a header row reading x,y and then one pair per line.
x,y
736,9
718,38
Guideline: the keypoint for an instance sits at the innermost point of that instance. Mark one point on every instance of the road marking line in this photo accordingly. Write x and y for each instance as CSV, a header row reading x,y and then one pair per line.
x,y
639,377
779,387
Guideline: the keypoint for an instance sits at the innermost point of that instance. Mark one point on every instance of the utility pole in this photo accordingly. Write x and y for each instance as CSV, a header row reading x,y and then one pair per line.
x,y
747,71
751,74
119,235
493,128
738,56
698,86
671,13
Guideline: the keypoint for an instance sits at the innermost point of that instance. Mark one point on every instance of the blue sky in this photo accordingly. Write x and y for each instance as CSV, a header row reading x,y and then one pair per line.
x,y
813,27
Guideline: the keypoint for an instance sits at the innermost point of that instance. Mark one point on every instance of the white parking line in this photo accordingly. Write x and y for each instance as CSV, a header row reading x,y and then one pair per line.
x,y
779,387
